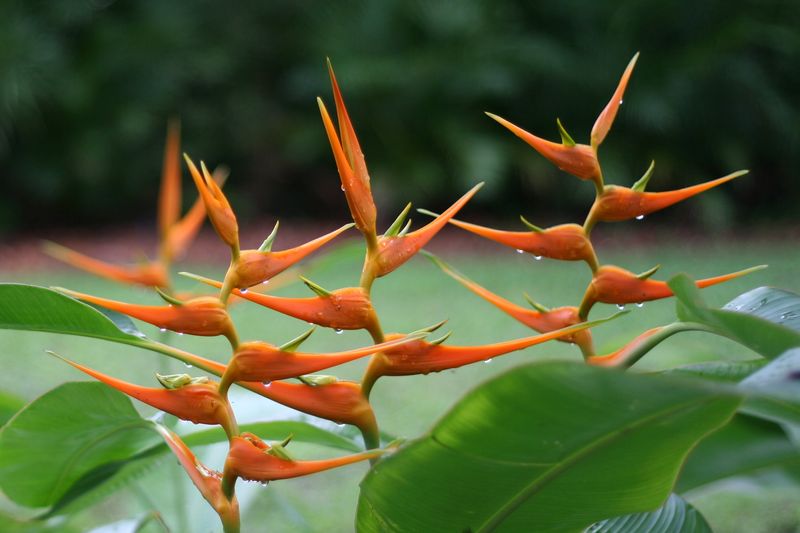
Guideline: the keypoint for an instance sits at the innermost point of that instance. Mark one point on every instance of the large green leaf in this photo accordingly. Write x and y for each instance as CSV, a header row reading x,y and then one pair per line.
x,y
774,390
722,371
9,405
547,447
776,305
675,516
758,333
63,435
745,446
31,308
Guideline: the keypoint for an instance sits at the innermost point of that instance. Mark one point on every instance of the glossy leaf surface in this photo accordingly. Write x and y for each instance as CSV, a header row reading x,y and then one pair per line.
x,y
675,516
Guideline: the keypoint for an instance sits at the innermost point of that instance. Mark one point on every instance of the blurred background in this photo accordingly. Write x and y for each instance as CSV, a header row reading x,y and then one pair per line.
x,y
88,86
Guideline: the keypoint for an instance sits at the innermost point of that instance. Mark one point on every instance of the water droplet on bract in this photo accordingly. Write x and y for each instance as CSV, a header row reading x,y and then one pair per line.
x,y
520,251
488,361
180,333
640,217
738,307
338,331
264,483
639,304
187,365
342,187
537,257
267,384
265,282
339,425
621,307
620,101
243,291
162,330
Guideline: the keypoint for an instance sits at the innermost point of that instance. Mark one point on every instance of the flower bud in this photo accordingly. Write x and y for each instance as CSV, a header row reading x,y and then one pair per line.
x,y
350,163
217,206
606,118
205,316
249,459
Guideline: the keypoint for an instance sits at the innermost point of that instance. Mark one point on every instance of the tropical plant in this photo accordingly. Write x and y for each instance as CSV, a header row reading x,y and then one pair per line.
x,y
548,446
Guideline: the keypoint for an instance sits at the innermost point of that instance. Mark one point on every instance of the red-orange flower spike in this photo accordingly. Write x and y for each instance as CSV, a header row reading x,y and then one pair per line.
x,y
616,203
348,308
205,316
578,159
219,210
195,400
256,266
260,361
422,357
340,402
207,481
249,459
394,250
151,274
169,197
606,118
566,242
615,285
350,163
541,320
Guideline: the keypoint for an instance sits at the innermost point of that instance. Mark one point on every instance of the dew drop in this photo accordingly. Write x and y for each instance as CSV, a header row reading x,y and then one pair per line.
x,y
639,304
339,425
338,331
640,217
620,101
187,365
537,257
488,361
342,187
162,330
243,291
520,251
621,307
267,384
264,483
265,282
180,333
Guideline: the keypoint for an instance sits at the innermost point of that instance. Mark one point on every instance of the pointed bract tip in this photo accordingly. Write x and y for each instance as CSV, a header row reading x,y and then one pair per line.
x,y
394,228
317,289
430,329
647,273
641,184
168,298
536,305
295,343
566,139
441,339
427,212
266,246
531,226
201,279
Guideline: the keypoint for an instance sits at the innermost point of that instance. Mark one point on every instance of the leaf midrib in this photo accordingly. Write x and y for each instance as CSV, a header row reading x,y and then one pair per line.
x,y
541,481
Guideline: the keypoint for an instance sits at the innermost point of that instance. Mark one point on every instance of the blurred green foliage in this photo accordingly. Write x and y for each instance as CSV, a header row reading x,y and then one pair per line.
x,y
86,88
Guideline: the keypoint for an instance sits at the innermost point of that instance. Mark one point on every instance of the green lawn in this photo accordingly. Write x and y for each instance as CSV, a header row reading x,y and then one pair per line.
x,y
418,294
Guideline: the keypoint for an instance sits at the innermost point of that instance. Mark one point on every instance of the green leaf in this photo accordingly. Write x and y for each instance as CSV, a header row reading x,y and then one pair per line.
x,y
63,435
31,308
776,305
675,516
759,334
722,371
775,389
550,447
9,405
745,446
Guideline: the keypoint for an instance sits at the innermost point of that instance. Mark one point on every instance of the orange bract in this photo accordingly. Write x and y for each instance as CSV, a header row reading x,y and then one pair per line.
x,y
217,207
249,459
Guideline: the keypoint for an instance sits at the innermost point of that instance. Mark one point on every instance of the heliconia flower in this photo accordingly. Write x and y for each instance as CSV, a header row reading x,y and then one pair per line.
x,y
194,399
540,318
205,316
217,207
616,203
340,401
207,481
396,249
422,357
578,159
257,266
250,458
150,274
615,285
606,118
348,308
260,361
350,163
567,242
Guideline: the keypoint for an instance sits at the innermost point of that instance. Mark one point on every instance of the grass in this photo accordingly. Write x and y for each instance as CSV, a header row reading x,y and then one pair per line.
x,y
416,295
